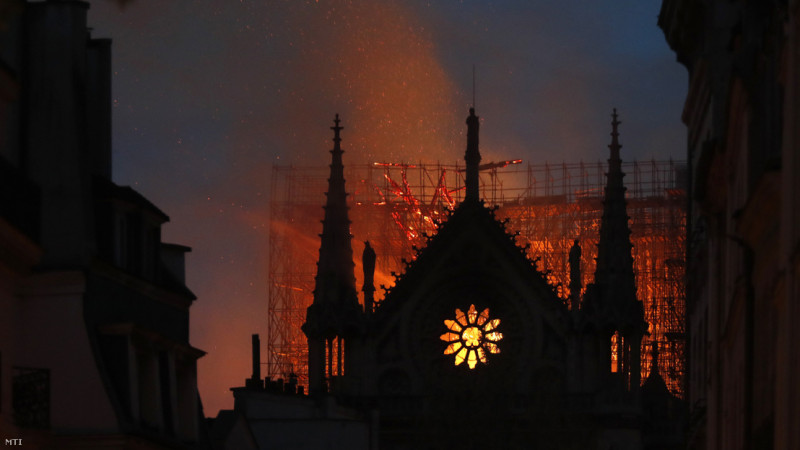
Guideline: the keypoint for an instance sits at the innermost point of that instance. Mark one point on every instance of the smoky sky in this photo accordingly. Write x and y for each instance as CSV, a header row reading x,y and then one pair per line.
x,y
209,95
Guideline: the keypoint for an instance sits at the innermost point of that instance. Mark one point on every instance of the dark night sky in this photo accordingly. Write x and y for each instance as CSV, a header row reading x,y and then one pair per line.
x,y
208,95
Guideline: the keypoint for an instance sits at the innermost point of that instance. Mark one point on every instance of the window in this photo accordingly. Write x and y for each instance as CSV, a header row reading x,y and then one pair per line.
x,y
471,336
334,357
616,352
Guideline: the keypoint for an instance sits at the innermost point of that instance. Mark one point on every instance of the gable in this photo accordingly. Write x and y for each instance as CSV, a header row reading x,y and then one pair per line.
x,y
471,262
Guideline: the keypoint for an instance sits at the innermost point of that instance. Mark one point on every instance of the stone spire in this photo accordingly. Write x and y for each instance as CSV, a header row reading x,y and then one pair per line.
x,y
335,312
472,157
615,145
614,272
335,281
613,294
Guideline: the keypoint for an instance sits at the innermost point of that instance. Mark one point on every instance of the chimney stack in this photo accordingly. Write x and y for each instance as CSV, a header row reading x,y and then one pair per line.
x,y
255,382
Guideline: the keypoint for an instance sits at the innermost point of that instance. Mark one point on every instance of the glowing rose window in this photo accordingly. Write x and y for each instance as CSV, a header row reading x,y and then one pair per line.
x,y
471,336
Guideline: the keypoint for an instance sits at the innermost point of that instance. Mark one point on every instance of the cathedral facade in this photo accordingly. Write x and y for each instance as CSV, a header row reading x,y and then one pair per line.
x,y
473,347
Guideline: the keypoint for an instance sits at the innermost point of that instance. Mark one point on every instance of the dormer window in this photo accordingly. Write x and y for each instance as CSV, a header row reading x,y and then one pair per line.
x,y
136,244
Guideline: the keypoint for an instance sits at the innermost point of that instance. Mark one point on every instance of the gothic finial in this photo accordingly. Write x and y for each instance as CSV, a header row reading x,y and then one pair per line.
x,y
472,157
473,86
335,310
336,129
615,145
614,287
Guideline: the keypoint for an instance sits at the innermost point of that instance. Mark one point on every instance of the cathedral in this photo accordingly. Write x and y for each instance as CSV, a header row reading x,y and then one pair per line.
x,y
472,347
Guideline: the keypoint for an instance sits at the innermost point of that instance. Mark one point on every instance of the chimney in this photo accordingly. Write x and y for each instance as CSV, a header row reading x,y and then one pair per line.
x,y
254,382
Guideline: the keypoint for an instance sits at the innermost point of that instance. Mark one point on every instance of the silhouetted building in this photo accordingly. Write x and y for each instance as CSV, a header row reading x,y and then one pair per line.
x,y
472,346
276,414
94,310
742,111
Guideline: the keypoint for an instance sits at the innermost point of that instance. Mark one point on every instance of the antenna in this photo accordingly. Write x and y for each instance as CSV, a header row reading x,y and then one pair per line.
x,y
473,86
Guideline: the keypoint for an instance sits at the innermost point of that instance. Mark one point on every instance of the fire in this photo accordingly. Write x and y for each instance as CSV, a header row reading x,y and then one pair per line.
x,y
396,205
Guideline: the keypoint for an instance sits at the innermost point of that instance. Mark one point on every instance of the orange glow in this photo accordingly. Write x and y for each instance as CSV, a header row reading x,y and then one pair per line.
x,y
471,336
615,352
491,346
550,205
379,164
453,347
452,325
388,73
461,317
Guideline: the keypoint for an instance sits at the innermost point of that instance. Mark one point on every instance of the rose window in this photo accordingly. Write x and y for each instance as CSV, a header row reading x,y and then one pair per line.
x,y
471,336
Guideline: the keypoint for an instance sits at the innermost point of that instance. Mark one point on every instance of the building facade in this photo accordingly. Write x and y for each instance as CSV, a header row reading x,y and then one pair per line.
x,y
743,60
94,310
472,346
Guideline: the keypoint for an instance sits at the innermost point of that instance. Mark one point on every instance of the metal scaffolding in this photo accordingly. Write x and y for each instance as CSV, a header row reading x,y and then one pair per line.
x,y
394,205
